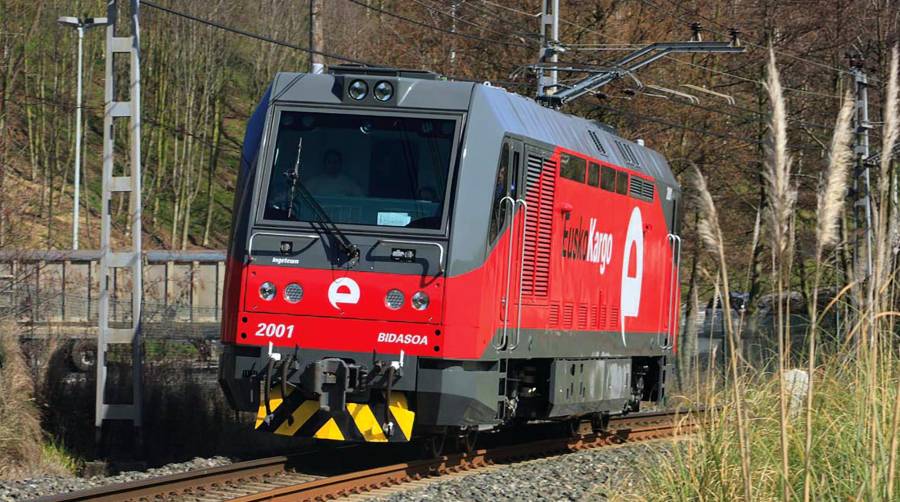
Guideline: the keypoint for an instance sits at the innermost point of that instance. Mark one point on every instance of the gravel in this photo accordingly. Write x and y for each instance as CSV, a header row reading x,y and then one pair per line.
x,y
588,475
26,489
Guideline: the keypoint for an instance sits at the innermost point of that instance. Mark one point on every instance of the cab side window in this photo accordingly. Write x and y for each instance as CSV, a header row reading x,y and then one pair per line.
x,y
593,175
608,179
572,167
499,208
622,183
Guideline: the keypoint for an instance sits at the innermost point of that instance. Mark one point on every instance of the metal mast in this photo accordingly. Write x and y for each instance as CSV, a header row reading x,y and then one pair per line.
x,y
862,205
130,182
316,37
550,48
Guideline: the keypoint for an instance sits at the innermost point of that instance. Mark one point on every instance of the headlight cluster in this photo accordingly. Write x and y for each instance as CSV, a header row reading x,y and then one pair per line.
x,y
395,299
359,89
293,292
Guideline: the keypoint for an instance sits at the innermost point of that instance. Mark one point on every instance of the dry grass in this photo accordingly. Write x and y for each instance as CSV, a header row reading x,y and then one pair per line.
x,y
708,468
23,452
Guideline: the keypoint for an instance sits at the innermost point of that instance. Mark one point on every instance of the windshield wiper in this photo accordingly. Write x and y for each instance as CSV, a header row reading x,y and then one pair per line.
x,y
297,186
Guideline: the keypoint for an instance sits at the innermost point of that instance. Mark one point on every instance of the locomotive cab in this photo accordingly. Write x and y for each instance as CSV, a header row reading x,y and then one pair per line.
x,y
411,255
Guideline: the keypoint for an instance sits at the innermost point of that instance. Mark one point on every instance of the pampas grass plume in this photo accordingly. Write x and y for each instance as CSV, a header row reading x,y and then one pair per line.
x,y
834,185
781,195
708,224
890,129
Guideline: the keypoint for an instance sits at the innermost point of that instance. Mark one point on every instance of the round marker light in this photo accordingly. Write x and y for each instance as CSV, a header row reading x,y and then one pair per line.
x,y
293,293
420,300
267,291
358,89
384,91
394,299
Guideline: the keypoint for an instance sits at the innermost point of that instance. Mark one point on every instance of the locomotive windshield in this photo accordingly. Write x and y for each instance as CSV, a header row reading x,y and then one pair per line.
x,y
361,169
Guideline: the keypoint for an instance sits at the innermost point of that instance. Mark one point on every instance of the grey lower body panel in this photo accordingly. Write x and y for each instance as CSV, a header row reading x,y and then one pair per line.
x,y
457,393
534,343
585,372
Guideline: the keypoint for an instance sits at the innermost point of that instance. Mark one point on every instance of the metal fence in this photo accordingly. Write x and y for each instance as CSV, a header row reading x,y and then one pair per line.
x,y
61,288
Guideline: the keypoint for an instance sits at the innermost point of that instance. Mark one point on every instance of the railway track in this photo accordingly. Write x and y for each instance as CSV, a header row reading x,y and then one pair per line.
x,y
274,479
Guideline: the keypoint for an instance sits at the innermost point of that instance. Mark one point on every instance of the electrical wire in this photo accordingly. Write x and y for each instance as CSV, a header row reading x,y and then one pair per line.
x,y
827,66
667,123
252,35
435,8
435,28
669,57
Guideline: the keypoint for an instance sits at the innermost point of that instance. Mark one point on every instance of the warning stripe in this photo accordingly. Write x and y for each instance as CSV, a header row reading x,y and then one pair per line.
x,y
362,422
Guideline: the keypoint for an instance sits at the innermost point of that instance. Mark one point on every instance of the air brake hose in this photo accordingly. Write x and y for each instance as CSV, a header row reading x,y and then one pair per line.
x,y
284,377
387,399
268,384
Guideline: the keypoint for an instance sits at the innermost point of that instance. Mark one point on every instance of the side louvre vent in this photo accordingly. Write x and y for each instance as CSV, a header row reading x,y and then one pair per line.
x,y
599,144
540,188
568,311
582,316
641,189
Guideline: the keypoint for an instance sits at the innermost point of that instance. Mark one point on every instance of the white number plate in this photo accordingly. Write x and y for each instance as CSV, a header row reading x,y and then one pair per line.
x,y
272,330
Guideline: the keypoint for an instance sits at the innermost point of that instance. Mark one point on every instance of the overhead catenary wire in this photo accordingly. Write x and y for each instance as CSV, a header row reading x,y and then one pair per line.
x,y
780,52
669,57
421,24
436,8
256,36
425,25
661,121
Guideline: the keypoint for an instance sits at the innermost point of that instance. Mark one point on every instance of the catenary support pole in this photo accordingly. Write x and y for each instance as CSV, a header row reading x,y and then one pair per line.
x,y
316,37
129,258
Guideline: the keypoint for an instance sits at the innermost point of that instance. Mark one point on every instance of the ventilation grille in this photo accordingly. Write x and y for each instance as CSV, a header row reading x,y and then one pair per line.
x,y
628,154
594,320
554,315
582,316
540,183
641,189
568,311
596,139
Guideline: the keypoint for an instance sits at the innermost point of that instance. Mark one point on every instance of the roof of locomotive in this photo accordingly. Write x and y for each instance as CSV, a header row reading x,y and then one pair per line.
x,y
516,114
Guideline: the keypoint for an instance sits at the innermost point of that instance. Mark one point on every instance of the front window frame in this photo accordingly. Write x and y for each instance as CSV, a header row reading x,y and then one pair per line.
x,y
267,159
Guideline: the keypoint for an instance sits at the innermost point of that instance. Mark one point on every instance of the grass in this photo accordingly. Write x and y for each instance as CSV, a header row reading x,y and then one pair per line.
x,y
24,451
836,437
709,466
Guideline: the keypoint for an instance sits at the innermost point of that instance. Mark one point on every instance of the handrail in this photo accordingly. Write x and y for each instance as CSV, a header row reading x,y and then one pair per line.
x,y
521,275
416,243
671,316
506,298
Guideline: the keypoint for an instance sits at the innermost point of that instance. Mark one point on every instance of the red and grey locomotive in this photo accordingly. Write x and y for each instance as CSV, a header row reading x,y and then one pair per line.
x,y
412,256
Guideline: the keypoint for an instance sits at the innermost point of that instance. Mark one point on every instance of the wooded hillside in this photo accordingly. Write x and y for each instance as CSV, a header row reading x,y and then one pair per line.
x,y
200,83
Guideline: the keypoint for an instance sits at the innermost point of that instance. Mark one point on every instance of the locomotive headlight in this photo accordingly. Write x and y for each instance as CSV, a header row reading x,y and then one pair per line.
x,y
358,89
384,91
293,293
420,300
267,291
394,299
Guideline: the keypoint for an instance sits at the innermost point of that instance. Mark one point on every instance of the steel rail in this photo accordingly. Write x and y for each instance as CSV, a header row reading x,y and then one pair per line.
x,y
174,485
271,479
